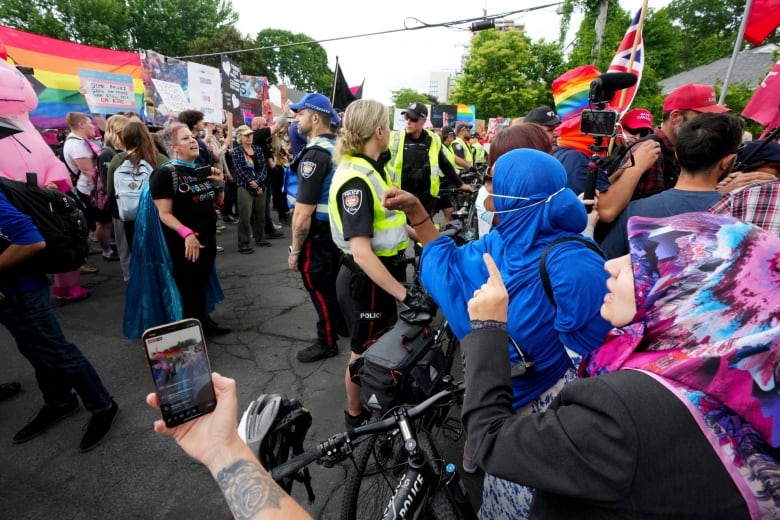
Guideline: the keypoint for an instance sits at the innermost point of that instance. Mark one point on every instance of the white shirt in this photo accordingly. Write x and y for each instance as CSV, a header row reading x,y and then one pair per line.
x,y
77,148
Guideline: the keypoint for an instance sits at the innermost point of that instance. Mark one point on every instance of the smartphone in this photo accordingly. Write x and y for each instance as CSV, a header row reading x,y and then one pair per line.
x,y
176,353
201,172
598,122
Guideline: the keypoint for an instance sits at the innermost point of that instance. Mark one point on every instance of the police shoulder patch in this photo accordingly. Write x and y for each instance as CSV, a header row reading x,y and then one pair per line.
x,y
307,169
351,200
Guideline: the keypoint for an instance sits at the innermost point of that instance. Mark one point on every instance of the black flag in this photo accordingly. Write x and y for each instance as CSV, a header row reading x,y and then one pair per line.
x,y
342,96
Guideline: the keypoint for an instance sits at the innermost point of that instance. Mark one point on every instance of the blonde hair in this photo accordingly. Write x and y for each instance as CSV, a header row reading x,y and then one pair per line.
x,y
361,120
114,127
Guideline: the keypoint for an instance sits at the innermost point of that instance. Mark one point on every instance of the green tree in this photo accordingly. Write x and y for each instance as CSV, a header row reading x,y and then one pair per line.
x,y
304,67
250,62
166,26
583,50
506,74
402,98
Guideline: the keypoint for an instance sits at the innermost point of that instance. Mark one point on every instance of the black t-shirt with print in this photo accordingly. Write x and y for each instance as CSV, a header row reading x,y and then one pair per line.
x,y
193,201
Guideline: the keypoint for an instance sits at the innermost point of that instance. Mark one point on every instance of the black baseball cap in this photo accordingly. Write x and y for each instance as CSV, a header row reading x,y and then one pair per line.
x,y
462,126
416,110
544,116
447,130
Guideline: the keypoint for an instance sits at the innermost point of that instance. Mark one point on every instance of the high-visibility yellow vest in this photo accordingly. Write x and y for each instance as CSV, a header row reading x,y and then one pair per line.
x,y
395,166
480,156
390,237
467,155
449,154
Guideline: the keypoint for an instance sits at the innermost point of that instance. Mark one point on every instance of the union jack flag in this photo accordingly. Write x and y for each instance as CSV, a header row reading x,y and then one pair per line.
x,y
622,60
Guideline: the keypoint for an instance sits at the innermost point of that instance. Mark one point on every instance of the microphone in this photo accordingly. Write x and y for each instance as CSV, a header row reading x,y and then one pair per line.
x,y
617,80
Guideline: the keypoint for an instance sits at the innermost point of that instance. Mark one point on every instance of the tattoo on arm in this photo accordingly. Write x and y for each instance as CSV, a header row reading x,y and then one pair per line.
x,y
301,234
248,490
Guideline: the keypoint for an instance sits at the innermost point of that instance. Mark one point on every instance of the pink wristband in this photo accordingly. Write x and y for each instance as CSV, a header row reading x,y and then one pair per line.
x,y
184,231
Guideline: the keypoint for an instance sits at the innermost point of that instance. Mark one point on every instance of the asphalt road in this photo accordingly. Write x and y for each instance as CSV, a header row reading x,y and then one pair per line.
x,y
135,473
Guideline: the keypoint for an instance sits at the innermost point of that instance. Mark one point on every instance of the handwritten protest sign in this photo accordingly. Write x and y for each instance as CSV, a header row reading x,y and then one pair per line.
x,y
172,96
106,92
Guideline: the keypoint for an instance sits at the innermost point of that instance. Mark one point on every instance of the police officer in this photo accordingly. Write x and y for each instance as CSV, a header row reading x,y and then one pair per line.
x,y
312,251
464,158
372,238
417,159
480,156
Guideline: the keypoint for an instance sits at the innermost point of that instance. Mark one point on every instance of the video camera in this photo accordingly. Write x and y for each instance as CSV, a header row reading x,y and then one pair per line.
x,y
601,123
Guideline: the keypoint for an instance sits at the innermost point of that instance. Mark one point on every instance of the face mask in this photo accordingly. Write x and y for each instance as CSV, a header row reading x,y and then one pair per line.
x,y
482,212
543,201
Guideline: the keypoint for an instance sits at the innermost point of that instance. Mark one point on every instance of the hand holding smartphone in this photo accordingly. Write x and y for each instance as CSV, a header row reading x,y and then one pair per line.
x,y
177,358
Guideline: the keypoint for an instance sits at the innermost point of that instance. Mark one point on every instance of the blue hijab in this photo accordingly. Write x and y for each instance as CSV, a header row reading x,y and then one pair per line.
x,y
535,208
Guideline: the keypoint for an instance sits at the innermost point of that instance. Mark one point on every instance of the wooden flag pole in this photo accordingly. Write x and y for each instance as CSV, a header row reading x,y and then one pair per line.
x,y
638,35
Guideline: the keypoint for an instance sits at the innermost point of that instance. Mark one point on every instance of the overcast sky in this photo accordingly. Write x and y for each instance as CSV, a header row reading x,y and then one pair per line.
x,y
402,59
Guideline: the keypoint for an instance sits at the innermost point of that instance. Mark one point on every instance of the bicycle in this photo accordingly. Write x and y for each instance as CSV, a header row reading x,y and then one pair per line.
x,y
465,227
423,484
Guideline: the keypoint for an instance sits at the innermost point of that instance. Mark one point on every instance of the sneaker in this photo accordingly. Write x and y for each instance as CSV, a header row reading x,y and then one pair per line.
x,y
221,227
246,250
277,227
229,219
275,234
353,421
98,427
46,416
315,352
469,464
111,256
212,328
220,249
8,390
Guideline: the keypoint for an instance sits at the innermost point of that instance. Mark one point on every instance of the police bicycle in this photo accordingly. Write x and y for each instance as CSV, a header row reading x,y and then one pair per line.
x,y
422,484
465,227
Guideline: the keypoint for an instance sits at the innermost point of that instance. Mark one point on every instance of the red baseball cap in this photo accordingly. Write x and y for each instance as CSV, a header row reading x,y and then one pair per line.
x,y
638,118
699,98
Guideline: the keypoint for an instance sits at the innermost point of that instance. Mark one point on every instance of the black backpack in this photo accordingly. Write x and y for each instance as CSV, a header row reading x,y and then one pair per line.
x,y
58,218
403,366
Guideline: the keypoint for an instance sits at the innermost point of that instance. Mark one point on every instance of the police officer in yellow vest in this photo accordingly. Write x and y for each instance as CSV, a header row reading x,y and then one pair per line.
x,y
480,156
417,159
464,159
372,238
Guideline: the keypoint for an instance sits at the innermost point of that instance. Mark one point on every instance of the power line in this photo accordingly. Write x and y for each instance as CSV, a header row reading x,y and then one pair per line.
x,y
422,25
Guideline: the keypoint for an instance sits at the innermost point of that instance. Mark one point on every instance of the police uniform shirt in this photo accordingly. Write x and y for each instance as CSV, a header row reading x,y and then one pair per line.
x,y
313,168
356,205
458,150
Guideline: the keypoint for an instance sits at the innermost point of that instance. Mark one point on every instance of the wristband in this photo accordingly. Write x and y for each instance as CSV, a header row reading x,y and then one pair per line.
x,y
426,219
293,252
184,231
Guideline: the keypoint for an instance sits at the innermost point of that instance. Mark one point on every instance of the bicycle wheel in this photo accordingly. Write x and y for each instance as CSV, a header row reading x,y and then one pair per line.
x,y
381,461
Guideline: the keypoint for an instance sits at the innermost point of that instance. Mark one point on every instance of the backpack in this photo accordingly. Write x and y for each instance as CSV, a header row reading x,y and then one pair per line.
x,y
403,366
128,182
58,219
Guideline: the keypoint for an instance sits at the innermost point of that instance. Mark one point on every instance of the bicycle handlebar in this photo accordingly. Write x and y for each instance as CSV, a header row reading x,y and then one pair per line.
x,y
338,441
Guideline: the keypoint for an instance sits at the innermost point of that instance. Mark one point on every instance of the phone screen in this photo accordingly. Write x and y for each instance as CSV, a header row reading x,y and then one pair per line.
x,y
598,122
177,358
201,172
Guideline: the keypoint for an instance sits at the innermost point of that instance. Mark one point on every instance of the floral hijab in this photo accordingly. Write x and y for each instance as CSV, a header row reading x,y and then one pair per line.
x,y
707,291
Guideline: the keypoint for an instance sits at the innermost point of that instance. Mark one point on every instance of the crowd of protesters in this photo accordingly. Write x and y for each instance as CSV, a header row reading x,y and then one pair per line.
x,y
670,275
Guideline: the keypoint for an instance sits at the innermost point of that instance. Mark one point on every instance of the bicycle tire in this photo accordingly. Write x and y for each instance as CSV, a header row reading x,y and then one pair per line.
x,y
379,463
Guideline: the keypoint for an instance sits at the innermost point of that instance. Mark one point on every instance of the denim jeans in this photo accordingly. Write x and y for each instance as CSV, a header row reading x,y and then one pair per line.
x,y
59,365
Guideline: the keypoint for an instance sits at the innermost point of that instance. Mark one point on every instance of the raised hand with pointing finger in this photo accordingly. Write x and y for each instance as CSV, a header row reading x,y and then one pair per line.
x,y
490,302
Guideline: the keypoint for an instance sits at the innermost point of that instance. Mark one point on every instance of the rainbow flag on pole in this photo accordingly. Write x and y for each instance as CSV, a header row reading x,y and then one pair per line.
x,y
56,77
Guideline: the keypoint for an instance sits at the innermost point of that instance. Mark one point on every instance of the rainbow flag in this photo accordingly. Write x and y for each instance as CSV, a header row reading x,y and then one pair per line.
x,y
56,65
466,114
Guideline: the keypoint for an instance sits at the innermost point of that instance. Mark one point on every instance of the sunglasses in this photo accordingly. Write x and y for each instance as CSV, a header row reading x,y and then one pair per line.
x,y
641,132
410,118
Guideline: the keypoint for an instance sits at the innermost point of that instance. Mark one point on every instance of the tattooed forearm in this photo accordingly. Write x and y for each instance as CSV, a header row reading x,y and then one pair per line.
x,y
301,233
248,489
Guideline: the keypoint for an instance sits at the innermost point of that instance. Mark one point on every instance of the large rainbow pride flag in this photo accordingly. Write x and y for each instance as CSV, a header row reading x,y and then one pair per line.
x,y
56,65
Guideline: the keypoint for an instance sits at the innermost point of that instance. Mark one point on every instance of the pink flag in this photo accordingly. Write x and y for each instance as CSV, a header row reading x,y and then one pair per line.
x,y
764,106
763,19
622,63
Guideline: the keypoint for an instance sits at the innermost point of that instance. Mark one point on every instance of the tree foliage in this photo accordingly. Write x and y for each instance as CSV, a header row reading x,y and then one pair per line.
x,y
506,74
402,98
250,62
304,67
166,26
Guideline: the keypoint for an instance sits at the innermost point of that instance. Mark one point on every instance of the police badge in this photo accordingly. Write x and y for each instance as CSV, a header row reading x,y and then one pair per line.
x,y
307,169
351,200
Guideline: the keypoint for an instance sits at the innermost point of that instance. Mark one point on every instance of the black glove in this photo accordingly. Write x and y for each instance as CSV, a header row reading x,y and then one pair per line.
x,y
417,300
